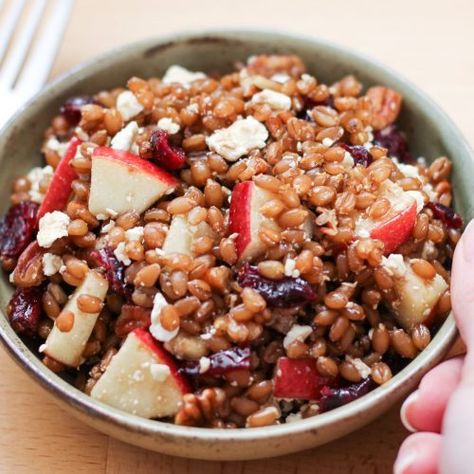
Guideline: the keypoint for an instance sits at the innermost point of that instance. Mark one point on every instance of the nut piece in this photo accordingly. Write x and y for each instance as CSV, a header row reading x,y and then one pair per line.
x,y
386,105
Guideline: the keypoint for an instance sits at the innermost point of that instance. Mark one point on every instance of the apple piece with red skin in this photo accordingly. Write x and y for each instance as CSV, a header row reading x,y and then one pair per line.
x,y
298,379
122,181
417,297
59,189
142,379
395,227
246,220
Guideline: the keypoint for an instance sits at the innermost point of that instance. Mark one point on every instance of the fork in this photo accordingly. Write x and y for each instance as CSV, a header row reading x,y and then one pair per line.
x,y
29,39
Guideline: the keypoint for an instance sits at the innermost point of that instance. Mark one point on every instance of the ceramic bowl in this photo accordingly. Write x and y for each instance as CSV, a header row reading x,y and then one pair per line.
x,y
431,134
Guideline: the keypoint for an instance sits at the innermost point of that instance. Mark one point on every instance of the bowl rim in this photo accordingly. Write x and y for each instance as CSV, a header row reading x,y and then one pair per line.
x,y
31,364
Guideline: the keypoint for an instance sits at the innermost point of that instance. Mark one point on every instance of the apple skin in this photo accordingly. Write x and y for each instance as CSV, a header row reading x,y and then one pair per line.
x,y
164,356
59,189
246,220
396,230
129,384
121,181
298,379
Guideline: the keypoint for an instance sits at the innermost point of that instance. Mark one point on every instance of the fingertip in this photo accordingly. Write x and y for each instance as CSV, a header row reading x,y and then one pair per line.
x,y
419,453
405,409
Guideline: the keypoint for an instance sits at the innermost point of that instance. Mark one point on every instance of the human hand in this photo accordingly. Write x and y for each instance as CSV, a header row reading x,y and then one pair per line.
x,y
441,411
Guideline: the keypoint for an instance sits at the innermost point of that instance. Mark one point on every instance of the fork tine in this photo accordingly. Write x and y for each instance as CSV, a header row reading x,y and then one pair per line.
x,y
38,66
15,59
8,26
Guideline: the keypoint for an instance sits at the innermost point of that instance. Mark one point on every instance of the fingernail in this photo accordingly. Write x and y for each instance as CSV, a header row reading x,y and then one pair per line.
x,y
404,460
403,411
468,242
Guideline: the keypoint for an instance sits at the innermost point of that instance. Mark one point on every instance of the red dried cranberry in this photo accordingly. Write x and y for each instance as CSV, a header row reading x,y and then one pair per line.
x,y
170,157
359,153
392,139
114,270
335,397
221,362
17,229
132,317
284,293
24,310
71,109
446,215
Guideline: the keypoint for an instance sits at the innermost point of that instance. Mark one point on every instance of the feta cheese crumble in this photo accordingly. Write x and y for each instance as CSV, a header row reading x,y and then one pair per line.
x,y
134,234
290,268
395,264
156,329
168,125
35,177
128,105
297,333
51,264
363,369
237,140
275,100
54,144
121,255
204,364
124,138
181,75
52,226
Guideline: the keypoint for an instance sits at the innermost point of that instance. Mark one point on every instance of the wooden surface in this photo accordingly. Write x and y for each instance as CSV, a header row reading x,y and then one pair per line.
x,y
427,41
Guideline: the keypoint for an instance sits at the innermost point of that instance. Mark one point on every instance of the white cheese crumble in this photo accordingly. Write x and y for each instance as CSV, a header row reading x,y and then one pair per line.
x,y
237,140
204,364
159,372
409,171
35,177
156,329
121,255
52,226
134,234
292,417
363,369
124,138
181,75
107,227
275,100
395,264
51,264
327,142
168,125
54,144
290,268
128,105
280,77
297,333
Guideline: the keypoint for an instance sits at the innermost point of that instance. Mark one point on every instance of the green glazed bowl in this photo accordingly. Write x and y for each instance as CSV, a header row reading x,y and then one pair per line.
x,y
431,134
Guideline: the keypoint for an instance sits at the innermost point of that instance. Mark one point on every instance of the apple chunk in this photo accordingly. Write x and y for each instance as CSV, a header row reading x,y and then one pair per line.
x,y
417,296
59,188
396,226
121,181
67,347
246,220
142,379
298,379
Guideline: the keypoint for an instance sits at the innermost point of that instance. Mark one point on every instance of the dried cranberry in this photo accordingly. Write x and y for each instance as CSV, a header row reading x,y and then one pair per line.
x,y
392,139
221,362
71,109
170,157
17,229
446,215
284,293
24,310
335,397
114,270
359,153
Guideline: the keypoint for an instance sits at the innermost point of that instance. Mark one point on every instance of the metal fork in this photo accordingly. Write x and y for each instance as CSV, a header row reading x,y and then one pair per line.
x,y
26,59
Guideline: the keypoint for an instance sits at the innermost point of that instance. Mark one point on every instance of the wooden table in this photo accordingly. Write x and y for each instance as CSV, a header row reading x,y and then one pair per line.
x,y
427,41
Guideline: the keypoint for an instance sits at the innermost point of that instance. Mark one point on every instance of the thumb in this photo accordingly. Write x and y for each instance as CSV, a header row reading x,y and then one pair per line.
x,y
462,286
